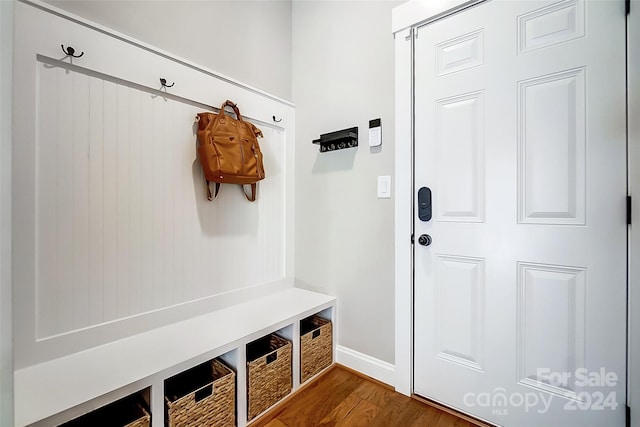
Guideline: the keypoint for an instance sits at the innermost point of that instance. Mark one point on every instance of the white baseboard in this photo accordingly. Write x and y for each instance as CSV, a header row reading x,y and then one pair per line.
x,y
370,366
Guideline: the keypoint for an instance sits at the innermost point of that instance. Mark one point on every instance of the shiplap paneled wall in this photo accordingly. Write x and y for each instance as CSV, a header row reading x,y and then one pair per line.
x,y
112,232
123,223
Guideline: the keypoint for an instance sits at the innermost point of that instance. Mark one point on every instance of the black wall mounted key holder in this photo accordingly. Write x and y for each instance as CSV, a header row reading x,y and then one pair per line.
x,y
346,138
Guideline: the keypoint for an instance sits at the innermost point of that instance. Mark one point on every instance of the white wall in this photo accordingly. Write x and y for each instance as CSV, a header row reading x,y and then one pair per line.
x,y
249,40
343,65
6,351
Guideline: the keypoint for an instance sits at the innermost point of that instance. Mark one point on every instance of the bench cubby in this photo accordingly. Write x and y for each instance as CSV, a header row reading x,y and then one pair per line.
x,y
130,411
316,345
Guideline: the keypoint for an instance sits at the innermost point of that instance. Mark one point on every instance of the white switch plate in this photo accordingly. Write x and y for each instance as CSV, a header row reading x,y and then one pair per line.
x,y
384,187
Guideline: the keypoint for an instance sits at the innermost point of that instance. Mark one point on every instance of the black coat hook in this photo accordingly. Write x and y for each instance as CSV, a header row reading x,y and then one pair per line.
x,y
277,121
69,51
163,82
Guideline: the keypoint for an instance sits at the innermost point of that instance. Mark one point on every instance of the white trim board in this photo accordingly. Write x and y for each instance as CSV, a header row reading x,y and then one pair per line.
x,y
403,215
6,100
370,366
415,12
633,144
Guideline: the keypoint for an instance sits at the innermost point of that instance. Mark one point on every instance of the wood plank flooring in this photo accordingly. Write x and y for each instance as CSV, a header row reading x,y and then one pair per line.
x,y
342,398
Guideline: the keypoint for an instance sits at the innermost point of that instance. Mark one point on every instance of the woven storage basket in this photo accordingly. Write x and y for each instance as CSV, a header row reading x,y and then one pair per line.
x,y
316,350
202,396
268,373
127,412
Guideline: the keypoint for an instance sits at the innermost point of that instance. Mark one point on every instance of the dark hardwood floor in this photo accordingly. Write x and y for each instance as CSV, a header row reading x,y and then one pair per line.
x,y
341,397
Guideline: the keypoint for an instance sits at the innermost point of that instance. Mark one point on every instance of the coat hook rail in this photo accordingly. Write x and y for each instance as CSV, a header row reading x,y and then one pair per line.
x,y
69,51
163,82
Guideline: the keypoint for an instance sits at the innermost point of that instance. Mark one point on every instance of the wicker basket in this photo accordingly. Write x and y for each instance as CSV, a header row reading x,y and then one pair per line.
x,y
268,373
127,412
316,349
202,396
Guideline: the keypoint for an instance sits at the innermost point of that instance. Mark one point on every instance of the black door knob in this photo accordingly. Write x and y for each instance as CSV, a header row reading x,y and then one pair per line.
x,y
424,240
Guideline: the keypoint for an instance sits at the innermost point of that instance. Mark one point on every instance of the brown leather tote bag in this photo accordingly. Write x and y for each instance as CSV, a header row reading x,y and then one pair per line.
x,y
228,150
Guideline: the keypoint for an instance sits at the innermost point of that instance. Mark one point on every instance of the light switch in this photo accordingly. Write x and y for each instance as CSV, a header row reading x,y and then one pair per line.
x,y
384,187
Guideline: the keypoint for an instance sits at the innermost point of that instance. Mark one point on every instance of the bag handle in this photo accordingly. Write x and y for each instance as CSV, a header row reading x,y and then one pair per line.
x,y
231,104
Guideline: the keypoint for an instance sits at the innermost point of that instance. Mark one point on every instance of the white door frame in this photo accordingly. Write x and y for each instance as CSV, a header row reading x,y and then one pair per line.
x,y
633,100
405,18
6,106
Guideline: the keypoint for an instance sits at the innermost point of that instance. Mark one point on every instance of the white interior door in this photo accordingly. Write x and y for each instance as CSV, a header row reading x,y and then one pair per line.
x,y
520,134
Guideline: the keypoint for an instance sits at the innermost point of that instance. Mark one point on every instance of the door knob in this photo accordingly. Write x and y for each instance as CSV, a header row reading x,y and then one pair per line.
x,y
424,240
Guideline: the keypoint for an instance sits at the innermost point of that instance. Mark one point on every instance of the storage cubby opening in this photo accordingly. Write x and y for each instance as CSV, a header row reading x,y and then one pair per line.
x,y
269,371
132,410
203,394
265,345
194,379
231,359
286,332
316,344
312,323
327,313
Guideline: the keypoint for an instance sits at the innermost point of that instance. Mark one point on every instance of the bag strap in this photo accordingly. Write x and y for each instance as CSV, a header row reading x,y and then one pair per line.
x,y
215,194
254,189
231,104
257,132
251,198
